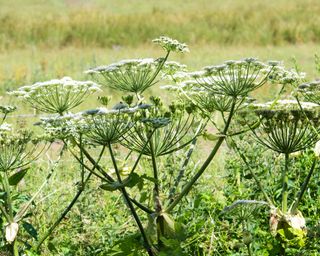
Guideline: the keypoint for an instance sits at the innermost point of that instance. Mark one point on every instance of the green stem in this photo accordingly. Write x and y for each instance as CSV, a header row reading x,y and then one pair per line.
x,y
8,197
285,184
156,189
71,204
130,205
249,249
159,68
61,217
182,170
242,156
214,151
15,248
304,186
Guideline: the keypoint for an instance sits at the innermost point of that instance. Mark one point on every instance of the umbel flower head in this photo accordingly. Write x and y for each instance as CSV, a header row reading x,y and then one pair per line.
x,y
207,102
16,150
133,75
238,78
163,131
68,126
106,127
310,91
285,126
56,96
171,45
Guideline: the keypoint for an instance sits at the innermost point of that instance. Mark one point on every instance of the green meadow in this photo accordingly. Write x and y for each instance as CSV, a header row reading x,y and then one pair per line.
x,y
46,39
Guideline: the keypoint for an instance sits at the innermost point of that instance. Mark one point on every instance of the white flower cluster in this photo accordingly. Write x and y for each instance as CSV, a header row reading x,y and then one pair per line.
x,y
172,69
286,104
170,44
62,127
231,66
61,86
58,95
132,65
237,78
5,127
311,91
283,76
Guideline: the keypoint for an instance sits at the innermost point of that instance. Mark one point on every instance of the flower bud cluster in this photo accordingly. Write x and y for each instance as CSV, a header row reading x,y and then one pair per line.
x,y
285,126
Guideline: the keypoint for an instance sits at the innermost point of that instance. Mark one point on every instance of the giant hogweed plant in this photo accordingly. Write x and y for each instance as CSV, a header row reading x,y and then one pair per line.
x,y
148,130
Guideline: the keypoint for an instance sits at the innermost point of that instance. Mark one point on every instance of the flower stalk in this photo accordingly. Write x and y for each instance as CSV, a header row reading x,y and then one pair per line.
x,y
130,205
214,151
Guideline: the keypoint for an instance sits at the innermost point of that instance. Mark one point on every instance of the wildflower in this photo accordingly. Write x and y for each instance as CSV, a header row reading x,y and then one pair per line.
x,y
310,91
133,75
284,126
107,127
56,96
5,127
170,44
238,78
16,150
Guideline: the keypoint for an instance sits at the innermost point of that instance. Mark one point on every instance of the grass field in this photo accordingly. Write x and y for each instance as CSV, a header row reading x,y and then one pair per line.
x,y
41,40
47,39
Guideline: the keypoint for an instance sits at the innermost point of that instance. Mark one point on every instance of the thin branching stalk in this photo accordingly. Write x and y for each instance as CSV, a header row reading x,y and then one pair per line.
x,y
214,151
156,190
130,205
244,159
304,187
182,169
81,188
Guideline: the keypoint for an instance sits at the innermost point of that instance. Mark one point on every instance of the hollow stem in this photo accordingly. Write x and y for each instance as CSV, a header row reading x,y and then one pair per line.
x,y
214,151
130,205
285,184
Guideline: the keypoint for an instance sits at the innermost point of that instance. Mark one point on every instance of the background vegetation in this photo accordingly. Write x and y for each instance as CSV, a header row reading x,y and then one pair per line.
x,y
41,40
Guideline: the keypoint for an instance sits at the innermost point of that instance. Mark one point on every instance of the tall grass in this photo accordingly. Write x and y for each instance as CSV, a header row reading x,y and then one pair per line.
x,y
104,24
